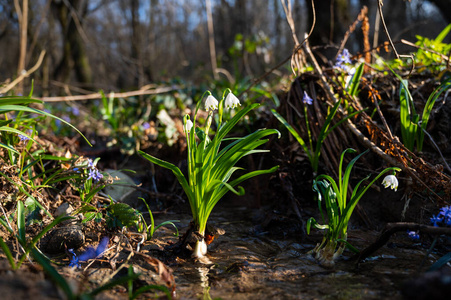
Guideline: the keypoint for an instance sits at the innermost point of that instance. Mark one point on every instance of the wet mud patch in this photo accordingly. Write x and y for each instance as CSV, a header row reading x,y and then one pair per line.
x,y
246,265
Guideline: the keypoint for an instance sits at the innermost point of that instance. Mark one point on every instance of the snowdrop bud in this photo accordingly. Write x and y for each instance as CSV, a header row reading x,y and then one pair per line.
x,y
188,125
211,103
390,181
231,101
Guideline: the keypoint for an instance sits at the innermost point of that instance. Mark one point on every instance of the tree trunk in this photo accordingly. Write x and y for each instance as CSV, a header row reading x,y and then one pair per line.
x,y
74,52
332,20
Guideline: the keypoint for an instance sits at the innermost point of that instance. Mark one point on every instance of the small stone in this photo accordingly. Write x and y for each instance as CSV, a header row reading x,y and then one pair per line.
x,y
57,240
64,209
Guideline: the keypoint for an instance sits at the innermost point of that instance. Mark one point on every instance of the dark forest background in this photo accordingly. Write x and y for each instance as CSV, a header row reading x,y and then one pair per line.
x,y
125,44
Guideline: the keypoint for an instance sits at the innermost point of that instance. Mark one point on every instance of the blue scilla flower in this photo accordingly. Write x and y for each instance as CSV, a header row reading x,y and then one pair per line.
x,y
23,138
146,126
343,59
91,253
445,212
307,99
95,175
90,163
74,260
413,235
75,111
436,219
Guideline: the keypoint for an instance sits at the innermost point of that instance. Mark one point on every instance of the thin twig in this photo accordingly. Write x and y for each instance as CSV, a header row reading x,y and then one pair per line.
x,y
22,15
360,18
24,74
425,49
259,79
436,147
160,90
380,4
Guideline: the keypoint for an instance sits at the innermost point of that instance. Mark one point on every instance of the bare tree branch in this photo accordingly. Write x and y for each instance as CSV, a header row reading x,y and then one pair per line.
x,y
24,74
144,91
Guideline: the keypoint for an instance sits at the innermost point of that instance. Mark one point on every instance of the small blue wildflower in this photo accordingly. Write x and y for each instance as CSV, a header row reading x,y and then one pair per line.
x,y
74,260
413,235
436,219
75,111
90,163
76,170
146,126
92,253
343,59
306,99
23,138
66,118
95,175
445,212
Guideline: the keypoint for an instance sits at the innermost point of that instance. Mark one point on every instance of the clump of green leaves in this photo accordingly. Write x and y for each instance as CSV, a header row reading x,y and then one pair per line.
x,y
338,209
412,127
212,164
433,60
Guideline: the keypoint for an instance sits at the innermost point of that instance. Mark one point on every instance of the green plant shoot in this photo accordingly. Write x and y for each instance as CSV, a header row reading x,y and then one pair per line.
x,y
210,164
411,125
338,209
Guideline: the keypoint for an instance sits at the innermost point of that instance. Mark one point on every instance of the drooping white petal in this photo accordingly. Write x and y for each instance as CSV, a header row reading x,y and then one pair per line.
x,y
390,181
231,101
211,103
188,125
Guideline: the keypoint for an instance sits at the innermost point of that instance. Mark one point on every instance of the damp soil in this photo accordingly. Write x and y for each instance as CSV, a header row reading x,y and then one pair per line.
x,y
246,263
264,253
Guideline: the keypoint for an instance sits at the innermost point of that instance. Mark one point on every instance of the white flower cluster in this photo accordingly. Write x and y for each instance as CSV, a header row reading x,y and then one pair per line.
x,y
231,101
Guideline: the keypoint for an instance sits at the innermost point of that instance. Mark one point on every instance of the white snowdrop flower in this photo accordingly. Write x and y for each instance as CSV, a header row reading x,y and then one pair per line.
x,y
390,181
211,103
231,101
188,125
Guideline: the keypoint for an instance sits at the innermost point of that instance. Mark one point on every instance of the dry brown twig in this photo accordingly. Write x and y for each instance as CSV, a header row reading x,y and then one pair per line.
x,y
297,56
281,63
146,90
22,15
444,57
398,56
360,18
25,74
